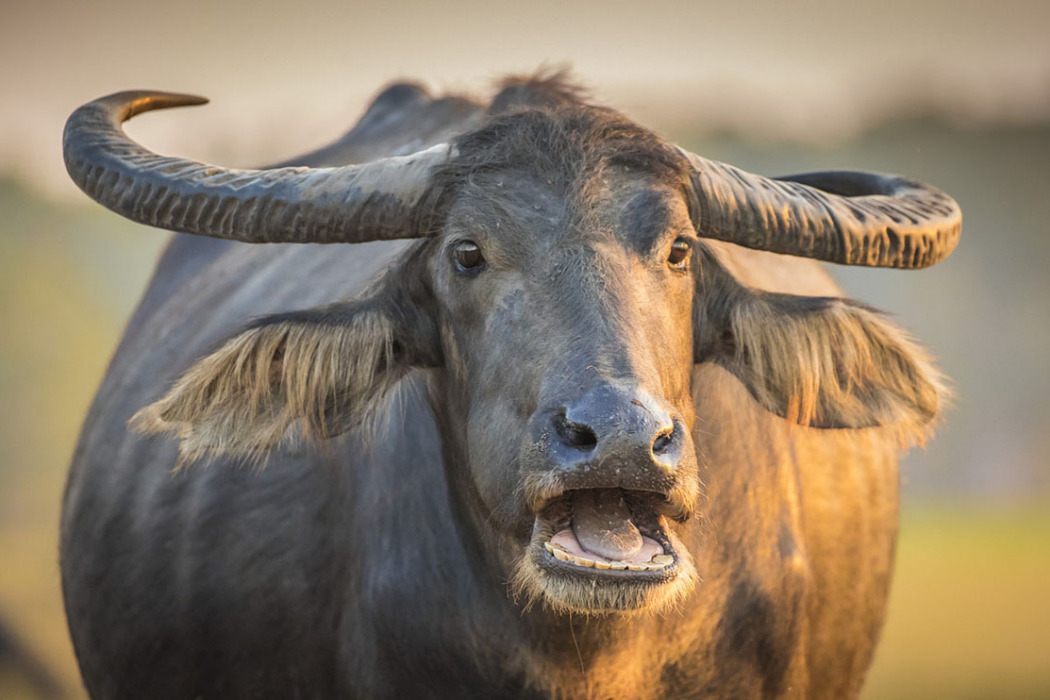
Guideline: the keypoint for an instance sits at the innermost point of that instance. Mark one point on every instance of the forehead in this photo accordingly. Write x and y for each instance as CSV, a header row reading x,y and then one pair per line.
x,y
568,173
520,210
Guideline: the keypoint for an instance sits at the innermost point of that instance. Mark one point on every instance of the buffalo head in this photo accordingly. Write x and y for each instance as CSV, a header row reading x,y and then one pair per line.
x,y
562,291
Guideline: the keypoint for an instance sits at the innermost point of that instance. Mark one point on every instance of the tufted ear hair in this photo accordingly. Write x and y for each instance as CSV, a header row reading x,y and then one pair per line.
x,y
312,373
824,362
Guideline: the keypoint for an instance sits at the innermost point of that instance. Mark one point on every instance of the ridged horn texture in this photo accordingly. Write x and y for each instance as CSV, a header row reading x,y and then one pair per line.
x,y
845,217
349,204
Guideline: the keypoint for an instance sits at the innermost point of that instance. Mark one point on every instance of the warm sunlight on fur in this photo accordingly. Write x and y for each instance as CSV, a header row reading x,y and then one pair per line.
x,y
242,399
837,364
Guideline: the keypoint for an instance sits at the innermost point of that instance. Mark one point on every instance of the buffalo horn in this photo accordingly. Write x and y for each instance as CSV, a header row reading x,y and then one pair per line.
x,y
845,217
347,204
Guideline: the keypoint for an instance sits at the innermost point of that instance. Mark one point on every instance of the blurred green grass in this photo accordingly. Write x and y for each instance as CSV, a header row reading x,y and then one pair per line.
x,y
969,613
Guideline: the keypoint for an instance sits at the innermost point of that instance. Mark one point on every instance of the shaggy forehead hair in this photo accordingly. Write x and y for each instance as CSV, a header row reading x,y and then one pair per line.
x,y
566,145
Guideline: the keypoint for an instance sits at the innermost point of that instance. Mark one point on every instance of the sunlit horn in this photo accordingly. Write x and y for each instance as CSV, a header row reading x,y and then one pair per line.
x,y
845,217
348,204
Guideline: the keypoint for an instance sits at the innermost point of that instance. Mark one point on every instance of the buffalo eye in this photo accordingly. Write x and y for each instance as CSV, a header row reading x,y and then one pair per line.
x,y
467,255
679,252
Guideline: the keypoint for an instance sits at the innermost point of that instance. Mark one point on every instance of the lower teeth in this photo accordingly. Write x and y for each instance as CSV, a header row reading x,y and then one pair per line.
x,y
659,561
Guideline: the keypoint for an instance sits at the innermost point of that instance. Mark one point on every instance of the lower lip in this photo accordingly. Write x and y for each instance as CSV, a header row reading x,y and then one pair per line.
x,y
657,563
552,564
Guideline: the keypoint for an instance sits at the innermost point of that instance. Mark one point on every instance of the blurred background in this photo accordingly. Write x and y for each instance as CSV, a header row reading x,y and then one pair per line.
x,y
954,92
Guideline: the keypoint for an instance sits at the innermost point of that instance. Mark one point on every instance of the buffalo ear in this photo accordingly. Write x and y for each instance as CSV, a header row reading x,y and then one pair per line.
x,y
312,373
823,362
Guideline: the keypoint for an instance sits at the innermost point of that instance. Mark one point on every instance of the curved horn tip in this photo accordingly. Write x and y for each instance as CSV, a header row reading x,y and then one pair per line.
x,y
130,103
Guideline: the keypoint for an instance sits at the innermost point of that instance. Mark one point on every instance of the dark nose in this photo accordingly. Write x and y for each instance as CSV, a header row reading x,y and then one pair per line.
x,y
617,427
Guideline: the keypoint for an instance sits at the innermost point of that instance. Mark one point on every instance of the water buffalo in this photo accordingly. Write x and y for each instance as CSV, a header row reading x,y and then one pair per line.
x,y
578,414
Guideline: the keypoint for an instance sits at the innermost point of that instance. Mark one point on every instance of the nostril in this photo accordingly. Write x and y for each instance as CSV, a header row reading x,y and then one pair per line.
x,y
578,435
662,442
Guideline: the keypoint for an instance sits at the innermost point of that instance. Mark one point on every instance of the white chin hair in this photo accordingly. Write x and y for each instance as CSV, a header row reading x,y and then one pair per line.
x,y
589,592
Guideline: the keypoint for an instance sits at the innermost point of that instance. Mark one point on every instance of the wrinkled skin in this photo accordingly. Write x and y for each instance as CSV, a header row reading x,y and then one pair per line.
x,y
382,563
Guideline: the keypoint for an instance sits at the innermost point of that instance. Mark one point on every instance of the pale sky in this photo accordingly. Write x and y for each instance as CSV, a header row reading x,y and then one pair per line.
x,y
286,77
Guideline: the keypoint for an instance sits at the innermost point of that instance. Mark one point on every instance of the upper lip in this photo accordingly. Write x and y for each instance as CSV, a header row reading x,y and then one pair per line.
x,y
543,489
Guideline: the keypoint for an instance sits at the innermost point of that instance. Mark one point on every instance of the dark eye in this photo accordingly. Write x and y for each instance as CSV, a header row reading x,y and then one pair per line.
x,y
467,255
679,252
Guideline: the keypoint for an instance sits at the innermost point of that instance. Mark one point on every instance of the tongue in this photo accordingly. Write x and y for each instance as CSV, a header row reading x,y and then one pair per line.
x,y
602,524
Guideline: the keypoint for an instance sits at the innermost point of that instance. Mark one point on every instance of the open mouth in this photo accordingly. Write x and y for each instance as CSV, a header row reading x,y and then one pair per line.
x,y
609,532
